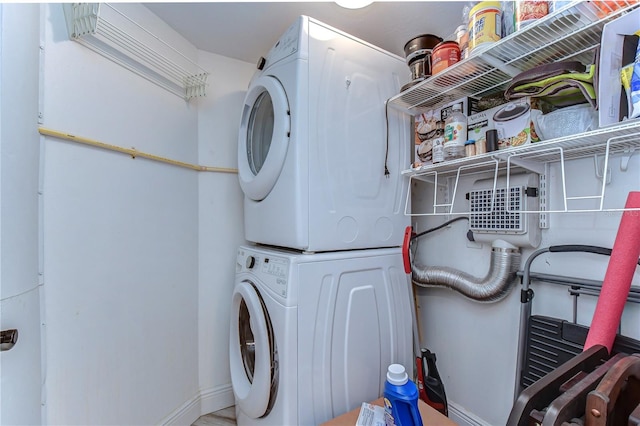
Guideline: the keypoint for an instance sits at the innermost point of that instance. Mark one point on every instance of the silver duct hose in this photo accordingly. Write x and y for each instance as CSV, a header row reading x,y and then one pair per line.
x,y
505,261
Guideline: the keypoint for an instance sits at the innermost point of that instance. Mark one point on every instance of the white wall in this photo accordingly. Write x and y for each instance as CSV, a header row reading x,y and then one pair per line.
x,y
139,256
20,291
120,239
221,225
476,344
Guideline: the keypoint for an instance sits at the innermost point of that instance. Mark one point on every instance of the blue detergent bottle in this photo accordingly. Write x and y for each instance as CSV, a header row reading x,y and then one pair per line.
x,y
400,398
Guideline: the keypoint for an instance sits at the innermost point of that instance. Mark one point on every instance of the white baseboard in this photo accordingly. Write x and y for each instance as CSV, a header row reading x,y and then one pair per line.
x,y
217,398
463,417
207,401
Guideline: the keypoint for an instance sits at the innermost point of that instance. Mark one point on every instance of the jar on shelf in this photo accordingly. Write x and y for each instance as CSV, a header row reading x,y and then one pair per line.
x,y
470,148
485,24
444,55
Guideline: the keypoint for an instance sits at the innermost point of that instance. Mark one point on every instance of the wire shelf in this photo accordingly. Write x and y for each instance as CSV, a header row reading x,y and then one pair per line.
x,y
571,33
109,32
623,139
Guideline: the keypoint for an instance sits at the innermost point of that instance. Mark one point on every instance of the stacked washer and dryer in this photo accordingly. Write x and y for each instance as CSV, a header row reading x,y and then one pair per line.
x,y
321,304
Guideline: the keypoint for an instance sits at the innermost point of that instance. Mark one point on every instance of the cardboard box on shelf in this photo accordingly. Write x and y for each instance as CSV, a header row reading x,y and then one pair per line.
x,y
512,120
425,125
617,36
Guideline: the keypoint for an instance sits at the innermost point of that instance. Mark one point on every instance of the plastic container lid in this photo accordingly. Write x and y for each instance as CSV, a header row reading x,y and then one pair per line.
x,y
396,375
484,5
470,142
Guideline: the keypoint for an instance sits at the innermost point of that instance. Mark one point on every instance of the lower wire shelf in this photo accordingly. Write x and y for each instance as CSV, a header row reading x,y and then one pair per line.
x,y
622,140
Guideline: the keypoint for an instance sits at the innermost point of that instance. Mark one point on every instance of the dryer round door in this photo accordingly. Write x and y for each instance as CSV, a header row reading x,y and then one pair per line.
x,y
264,137
253,355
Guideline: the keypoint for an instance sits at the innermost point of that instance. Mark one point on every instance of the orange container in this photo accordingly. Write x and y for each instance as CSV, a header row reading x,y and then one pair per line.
x,y
444,55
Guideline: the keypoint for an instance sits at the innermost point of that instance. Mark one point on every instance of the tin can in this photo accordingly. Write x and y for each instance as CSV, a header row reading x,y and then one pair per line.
x,y
444,55
527,11
485,24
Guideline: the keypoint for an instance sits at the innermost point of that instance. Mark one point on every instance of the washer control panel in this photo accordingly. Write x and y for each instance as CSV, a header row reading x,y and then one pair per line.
x,y
271,270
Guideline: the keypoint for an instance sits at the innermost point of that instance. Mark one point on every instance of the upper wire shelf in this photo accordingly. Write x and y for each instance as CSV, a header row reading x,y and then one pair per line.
x,y
571,33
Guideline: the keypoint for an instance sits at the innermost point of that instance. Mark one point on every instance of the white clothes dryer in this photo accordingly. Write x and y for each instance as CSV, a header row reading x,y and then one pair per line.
x,y
316,142
312,335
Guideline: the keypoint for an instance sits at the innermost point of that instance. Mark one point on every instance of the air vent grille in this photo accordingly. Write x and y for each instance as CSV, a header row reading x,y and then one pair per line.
x,y
500,214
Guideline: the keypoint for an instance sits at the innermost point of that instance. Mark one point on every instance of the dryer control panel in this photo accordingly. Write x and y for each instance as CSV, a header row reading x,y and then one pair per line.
x,y
272,271
287,44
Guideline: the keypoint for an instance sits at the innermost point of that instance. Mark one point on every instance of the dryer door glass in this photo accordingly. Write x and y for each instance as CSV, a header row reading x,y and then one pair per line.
x,y
264,137
253,354
259,132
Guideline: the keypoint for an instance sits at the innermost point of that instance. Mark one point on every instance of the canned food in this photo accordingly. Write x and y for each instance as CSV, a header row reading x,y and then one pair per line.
x,y
444,55
485,23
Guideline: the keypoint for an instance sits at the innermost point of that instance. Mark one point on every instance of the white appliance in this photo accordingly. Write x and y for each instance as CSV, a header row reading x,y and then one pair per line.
x,y
312,335
315,140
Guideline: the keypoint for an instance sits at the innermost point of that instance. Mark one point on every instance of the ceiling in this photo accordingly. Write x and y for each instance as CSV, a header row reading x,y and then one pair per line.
x,y
247,30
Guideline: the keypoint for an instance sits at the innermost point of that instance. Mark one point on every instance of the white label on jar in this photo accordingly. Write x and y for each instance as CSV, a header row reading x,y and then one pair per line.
x,y
437,152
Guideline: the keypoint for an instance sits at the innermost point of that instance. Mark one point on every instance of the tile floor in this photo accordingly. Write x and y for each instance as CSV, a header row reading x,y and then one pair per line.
x,y
224,417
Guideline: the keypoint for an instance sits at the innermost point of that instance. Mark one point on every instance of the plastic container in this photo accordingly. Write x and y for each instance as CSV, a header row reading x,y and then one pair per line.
x,y
481,146
400,398
528,11
437,150
485,24
444,55
455,134
470,148
462,38
492,140
566,122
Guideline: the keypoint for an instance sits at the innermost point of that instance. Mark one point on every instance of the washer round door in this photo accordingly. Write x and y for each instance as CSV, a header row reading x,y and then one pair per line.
x,y
253,354
263,138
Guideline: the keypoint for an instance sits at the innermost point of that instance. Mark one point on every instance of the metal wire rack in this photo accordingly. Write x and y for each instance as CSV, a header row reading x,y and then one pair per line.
x,y
110,32
571,33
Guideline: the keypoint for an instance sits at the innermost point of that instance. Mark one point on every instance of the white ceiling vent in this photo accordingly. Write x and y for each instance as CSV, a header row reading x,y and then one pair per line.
x,y
109,32
501,212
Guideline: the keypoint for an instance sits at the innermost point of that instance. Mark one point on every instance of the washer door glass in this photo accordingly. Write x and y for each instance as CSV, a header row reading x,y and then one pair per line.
x,y
253,354
264,137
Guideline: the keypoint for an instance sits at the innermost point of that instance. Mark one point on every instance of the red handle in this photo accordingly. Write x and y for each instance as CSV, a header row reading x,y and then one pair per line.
x,y
406,244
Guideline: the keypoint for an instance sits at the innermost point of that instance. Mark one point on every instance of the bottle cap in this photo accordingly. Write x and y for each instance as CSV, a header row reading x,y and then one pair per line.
x,y
396,375
492,140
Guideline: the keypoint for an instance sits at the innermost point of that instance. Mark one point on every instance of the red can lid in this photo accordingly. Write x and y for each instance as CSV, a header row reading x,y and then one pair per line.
x,y
446,44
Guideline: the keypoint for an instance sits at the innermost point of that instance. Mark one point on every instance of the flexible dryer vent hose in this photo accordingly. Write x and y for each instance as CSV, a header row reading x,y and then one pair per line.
x,y
505,261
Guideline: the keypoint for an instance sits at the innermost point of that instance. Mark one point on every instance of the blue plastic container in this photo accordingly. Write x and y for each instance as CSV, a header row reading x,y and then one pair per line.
x,y
400,398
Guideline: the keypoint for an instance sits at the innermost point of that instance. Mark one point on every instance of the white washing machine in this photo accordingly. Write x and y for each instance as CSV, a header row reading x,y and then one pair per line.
x,y
315,140
312,335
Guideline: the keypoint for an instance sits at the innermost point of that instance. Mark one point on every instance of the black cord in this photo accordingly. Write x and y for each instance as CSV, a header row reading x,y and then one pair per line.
x,y
386,154
439,227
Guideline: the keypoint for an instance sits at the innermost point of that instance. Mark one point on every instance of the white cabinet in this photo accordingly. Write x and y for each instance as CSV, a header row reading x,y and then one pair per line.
x,y
571,33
